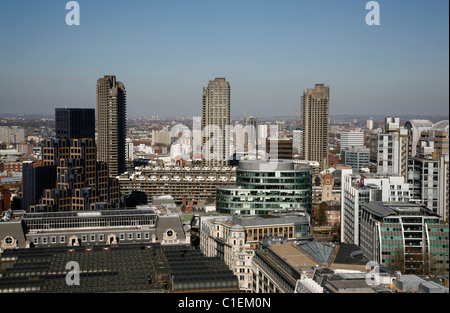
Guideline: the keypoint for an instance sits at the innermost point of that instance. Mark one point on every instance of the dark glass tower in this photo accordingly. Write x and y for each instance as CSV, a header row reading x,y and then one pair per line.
x,y
74,123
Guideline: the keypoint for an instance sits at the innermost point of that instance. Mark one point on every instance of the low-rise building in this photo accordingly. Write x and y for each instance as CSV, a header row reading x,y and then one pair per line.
x,y
104,227
280,266
134,268
234,238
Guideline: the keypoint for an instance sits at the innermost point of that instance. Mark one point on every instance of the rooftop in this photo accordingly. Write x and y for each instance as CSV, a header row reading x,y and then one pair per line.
x,y
266,165
383,209
309,255
149,268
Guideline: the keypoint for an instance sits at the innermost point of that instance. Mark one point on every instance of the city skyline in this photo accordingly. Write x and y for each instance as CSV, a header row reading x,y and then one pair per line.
x,y
269,52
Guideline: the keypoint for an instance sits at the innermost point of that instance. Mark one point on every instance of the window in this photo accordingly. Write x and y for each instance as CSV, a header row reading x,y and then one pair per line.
x,y
101,237
9,240
92,237
62,239
130,236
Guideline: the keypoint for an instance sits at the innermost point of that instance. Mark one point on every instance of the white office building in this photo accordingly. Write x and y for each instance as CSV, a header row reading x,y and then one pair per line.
x,y
392,145
297,141
358,189
349,139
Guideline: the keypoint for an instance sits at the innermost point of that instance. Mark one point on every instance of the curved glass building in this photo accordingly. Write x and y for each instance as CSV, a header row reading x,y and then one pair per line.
x,y
266,186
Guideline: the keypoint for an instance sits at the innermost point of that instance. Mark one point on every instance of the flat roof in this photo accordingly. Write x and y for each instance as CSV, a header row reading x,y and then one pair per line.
x,y
266,165
383,209
78,214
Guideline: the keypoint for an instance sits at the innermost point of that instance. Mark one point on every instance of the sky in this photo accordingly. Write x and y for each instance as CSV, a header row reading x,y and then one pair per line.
x,y
166,51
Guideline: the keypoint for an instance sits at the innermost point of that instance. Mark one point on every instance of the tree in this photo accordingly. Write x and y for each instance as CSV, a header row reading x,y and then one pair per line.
x,y
398,260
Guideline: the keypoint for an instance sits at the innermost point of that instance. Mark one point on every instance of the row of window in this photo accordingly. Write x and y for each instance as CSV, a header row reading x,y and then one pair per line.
x,y
90,238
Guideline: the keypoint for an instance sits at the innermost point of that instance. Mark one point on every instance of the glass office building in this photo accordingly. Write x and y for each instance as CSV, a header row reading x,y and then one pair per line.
x,y
266,186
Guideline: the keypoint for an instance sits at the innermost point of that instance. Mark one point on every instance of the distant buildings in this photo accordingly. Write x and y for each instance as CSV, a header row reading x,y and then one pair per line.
x,y
111,124
369,124
161,137
297,141
266,186
279,148
315,121
12,134
216,122
351,139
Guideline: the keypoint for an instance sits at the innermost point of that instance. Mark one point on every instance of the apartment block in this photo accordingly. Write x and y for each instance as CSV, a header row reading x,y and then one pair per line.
x,y
111,124
196,183
216,122
315,120
392,148
429,182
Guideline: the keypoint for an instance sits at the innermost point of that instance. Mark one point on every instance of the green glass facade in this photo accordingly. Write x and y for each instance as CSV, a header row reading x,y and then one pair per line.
x,y
262,190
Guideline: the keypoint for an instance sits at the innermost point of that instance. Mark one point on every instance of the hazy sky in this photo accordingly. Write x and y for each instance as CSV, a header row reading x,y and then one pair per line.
x,y
166,51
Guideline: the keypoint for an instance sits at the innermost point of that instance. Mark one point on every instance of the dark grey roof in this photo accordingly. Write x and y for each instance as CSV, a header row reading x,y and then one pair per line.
x,y
383,209
15,229
350,254
173,222
115,269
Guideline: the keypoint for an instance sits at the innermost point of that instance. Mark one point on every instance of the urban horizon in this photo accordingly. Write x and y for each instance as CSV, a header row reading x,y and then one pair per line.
x,y
230,155
267,52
